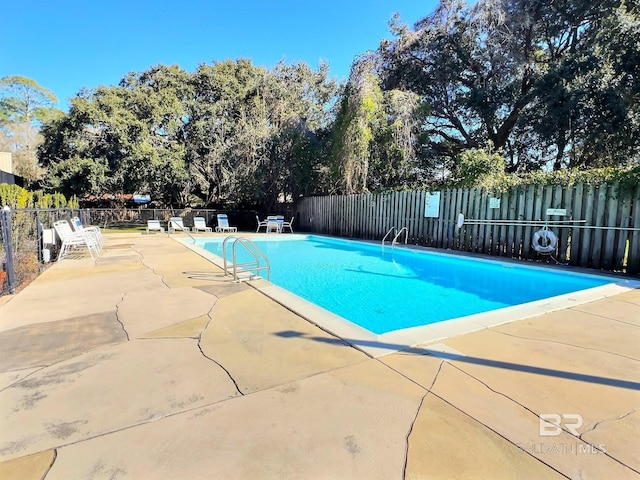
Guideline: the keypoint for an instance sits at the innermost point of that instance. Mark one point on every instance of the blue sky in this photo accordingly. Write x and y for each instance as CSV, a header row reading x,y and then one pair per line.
x,y
66,45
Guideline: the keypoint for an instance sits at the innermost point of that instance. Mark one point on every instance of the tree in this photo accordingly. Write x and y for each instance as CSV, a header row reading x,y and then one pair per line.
x,y
24,105
376,134
123,139
541,80
253,134
584,110
359,116
230,133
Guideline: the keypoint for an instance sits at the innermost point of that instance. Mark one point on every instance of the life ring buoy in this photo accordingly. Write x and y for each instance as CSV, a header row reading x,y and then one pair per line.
x,y
544,241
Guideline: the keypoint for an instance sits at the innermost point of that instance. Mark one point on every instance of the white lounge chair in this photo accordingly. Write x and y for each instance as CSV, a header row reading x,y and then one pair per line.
x,y
200,225
223,224
176,224
288,225
93,230
261,223
154,226
74,240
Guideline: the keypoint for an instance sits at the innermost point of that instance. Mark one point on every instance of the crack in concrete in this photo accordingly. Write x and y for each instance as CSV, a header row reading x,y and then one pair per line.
x,y
492,429
537,416
235,383
415,417
118,317
150,268
611,419
564,343
53,460
577,309
38,369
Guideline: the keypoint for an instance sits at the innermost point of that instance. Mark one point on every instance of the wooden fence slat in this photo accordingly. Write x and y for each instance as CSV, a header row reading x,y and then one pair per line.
x,y
576,232
529,214
463,232
475,229
559,201
401,208
511,215
624,218
364,215
633,264
520,215
380,219
589,215
608,251
447,210
596,247
421,220
489,238
501,247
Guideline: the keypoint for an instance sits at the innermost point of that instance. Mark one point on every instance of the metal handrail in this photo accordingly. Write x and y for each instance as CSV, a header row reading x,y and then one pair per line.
x,y
392,229
182,229
406,234
224,252
255,252
252,249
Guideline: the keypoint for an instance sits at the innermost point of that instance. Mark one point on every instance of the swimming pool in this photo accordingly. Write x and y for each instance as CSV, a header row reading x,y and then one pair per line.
x,y
384,290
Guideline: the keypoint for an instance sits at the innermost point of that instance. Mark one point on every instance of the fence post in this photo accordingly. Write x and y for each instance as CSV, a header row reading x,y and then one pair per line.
x,y
39,234
6,235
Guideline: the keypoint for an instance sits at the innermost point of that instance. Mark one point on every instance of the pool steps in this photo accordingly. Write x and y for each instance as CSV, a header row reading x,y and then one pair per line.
x,y
244,271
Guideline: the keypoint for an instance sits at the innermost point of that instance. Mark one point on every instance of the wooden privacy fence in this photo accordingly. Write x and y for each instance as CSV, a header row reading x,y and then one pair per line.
x,y
607,238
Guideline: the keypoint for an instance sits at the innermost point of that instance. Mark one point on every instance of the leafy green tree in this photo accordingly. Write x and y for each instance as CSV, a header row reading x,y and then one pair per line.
x,y
360,115
584,111
24,105
376,134
123,139
541,80
252,132
230,133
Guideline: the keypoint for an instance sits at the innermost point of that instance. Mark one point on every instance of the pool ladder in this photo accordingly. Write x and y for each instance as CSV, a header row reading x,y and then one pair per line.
x,y
246,270
396,236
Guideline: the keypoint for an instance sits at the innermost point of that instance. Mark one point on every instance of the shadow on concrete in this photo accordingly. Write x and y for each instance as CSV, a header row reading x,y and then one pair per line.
x,y
405,349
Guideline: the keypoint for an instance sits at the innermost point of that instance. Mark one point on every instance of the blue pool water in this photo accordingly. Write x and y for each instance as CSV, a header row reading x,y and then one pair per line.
x,y
389,289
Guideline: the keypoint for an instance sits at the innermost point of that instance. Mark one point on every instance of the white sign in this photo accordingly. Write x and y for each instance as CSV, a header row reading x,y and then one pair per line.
x,y
556,211
494,202
432,205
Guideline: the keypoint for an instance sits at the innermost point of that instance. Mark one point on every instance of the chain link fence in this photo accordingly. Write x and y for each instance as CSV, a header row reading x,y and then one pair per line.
x,y
22,256
27,242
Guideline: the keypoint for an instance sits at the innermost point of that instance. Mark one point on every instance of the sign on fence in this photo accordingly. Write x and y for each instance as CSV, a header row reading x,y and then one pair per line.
x,y
432,205
494,202
556,211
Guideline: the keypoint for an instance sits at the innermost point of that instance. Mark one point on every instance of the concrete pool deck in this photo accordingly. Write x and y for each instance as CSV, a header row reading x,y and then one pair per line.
x,y
148,363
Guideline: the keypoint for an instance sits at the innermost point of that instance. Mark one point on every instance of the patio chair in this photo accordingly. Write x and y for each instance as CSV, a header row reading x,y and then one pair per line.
x,y
200,225
176,224
223,224
93,230
72,241
273,225
261,223
288,225
154,226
